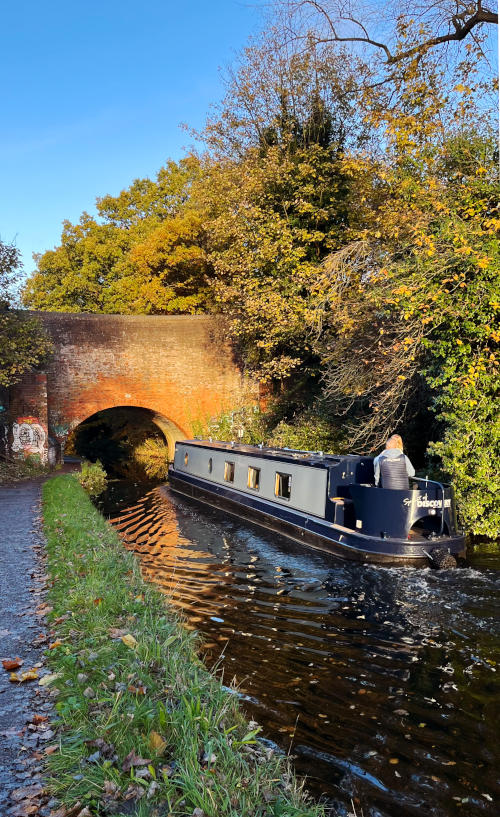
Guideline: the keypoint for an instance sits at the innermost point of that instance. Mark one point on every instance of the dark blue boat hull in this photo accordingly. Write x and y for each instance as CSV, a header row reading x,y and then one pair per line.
x,y
314,531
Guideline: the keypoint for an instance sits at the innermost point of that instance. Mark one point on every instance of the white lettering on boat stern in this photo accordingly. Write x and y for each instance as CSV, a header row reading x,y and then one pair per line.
x,y
423,501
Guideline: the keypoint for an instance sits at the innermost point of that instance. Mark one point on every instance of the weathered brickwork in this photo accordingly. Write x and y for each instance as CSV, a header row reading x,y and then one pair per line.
x,y
24,422
178,366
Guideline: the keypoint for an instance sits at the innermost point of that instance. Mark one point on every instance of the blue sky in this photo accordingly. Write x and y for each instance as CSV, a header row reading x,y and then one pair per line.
x,y
93,94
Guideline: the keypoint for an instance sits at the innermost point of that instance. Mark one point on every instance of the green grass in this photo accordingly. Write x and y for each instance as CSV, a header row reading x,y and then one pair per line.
x,y
154,698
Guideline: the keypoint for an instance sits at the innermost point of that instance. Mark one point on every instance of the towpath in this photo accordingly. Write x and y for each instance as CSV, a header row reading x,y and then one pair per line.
x,y
24,706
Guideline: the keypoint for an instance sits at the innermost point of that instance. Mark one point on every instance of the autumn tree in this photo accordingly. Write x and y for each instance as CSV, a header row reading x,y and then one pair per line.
x,y
420,338
393,295
23,344
275,198
393,31
144,253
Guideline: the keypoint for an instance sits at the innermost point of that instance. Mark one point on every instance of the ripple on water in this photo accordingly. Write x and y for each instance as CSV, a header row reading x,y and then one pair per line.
x,y
382,680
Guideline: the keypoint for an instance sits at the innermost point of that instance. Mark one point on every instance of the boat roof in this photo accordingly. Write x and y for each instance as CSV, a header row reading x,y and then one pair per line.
x,y
314,458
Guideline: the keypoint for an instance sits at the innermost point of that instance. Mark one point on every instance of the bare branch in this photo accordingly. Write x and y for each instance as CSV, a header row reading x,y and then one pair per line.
x,y
333,13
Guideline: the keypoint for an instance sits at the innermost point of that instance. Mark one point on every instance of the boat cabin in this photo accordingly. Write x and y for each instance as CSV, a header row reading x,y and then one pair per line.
x,y
338,489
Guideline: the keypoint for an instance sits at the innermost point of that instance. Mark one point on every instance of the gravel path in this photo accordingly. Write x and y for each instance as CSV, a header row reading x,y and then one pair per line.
x,y
24,707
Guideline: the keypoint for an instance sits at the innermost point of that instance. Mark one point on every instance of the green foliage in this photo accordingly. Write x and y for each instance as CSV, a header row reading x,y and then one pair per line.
x,y
275,198
152,456
26,468
470,453
308,432
246,424
92,478
345,221
144,253
23,344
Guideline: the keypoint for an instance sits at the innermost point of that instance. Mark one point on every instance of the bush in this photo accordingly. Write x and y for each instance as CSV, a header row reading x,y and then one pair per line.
x,y
152,456
19,469
92,478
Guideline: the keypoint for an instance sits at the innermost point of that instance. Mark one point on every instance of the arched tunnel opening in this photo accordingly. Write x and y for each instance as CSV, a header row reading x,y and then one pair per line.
x,y
131,442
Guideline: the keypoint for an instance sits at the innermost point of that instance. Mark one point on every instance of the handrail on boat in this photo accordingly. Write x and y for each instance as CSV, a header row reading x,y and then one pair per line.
x,y
440,485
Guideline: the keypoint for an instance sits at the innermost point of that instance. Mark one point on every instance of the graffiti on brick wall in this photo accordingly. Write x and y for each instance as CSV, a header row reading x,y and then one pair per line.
x,y
29,437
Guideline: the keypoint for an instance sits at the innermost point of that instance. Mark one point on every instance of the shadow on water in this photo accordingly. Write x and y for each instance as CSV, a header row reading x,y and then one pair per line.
x,y
381,682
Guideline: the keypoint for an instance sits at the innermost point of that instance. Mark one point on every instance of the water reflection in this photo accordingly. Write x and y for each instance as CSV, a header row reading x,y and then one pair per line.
x,y
382,682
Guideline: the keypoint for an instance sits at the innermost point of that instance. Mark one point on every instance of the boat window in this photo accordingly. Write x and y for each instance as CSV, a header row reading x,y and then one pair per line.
x,y
186,458
210,465
253,478
283,485
229,471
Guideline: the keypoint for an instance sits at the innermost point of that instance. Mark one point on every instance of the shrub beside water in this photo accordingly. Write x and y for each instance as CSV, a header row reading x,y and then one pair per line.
x,y
92,478
152,456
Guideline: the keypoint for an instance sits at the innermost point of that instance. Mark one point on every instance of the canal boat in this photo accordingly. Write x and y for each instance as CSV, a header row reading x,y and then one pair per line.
x,y
325,501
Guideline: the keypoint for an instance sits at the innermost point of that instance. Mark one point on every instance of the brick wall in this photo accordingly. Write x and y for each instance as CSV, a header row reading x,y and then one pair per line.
x,y
25,423
179,366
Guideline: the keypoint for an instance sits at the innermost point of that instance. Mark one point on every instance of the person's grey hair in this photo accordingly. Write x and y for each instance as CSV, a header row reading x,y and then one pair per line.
x,y
394,441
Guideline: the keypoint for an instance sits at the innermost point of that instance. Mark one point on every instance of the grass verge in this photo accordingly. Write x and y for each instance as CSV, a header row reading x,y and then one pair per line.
x,y
145,729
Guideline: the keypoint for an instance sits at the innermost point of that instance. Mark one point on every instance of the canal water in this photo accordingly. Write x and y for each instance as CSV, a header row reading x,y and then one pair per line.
x,y
381,683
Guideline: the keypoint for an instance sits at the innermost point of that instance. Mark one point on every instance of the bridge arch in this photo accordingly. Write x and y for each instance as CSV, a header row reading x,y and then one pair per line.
x,y
181,367
169,430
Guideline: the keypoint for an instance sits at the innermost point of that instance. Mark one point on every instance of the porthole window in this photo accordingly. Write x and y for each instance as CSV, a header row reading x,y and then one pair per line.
x,y
210,465
283,485
229,471
186,458
253,480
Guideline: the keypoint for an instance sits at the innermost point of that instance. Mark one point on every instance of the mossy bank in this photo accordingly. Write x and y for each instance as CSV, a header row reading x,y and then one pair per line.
x,y
144,728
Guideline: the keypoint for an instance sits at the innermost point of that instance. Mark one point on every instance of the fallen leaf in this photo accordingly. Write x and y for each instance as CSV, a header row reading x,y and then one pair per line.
x,y
107,750
156,743
134,792
55,644
137,690
111,790
129,641
12,663
29,675
115,632
37,719
133,760
24,810
26,792
48,679
97,601
43,610
153,788
49,750
72,811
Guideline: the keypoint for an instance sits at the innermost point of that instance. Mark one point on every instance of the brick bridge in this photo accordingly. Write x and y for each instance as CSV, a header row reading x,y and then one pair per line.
x,y
178,366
